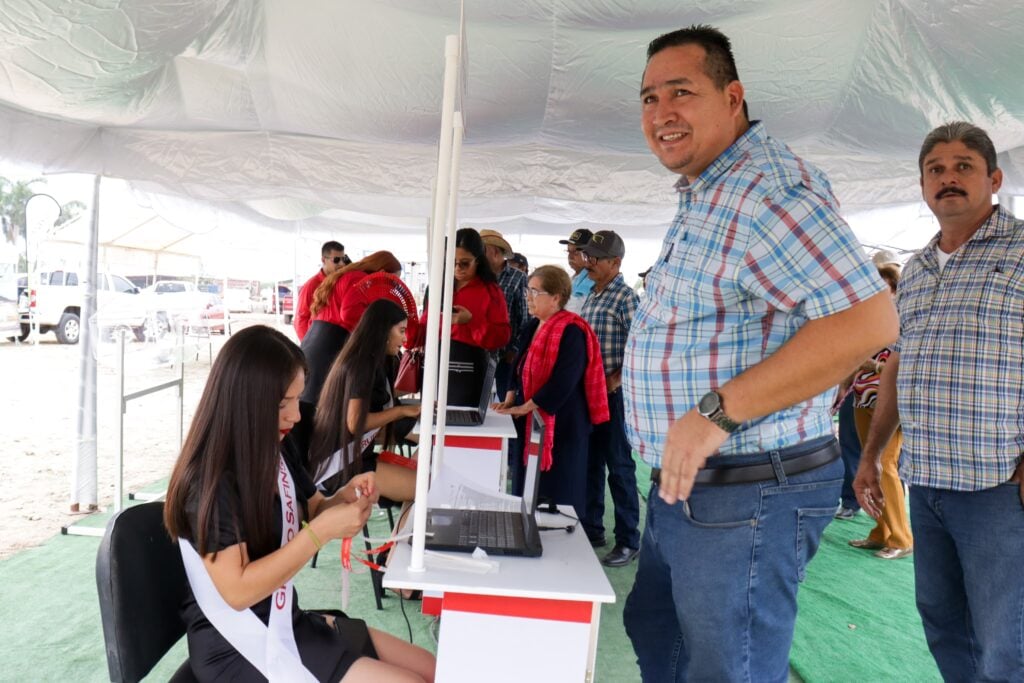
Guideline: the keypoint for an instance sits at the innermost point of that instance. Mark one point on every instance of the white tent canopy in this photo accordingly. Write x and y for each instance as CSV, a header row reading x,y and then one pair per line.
x,y
323,114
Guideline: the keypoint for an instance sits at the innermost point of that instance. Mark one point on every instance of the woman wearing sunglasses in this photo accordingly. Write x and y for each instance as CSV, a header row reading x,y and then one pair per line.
x,y
479,316
559,373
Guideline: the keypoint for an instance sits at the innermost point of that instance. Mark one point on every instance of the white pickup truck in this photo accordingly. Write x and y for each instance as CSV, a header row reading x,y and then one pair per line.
x,y
53,300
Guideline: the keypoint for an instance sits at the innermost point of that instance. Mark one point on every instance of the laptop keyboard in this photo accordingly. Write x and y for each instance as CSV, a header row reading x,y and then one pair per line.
x,y
488,528
461,418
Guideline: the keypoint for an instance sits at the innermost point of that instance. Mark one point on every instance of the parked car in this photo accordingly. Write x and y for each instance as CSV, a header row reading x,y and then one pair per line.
x,y
209,318
52,299
238,300
282,303
10,323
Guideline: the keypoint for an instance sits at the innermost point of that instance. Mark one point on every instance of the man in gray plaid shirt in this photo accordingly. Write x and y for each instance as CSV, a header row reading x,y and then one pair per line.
x,y
956,383
609,310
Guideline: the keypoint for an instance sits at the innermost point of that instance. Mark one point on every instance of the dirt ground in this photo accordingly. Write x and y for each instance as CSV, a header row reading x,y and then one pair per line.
x,y
39,390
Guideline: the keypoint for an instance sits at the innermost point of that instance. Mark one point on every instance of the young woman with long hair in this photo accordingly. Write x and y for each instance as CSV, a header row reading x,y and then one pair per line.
x,y
358,406
235,502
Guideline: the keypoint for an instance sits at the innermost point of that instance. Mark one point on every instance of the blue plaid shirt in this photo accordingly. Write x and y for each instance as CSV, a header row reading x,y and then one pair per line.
x,y
610,313
961,375
757,249
513,285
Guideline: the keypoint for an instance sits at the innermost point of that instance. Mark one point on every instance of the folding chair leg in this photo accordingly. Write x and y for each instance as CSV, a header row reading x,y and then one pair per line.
x,y
376,578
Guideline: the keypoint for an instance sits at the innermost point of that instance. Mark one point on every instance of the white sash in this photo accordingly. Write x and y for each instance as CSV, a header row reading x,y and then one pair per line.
x,y
270,649
338,462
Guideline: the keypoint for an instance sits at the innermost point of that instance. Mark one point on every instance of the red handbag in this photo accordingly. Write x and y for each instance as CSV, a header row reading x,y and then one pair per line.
x,y
410,372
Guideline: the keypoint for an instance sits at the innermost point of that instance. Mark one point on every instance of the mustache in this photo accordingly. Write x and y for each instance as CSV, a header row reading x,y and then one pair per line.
x,y
950,191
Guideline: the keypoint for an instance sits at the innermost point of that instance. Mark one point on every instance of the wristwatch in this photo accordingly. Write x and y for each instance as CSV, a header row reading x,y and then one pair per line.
x,y
710,406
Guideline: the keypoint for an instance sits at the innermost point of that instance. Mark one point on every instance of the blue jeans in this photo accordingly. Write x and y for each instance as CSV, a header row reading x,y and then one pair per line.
x,y
849,444
609,448
715,591
969,575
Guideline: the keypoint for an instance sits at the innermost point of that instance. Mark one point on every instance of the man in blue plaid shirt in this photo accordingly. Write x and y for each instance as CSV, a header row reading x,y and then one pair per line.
x,y
956,383
608,309
760,303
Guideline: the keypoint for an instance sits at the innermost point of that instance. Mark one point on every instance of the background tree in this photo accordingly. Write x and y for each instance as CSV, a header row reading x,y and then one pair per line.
x,y
14,195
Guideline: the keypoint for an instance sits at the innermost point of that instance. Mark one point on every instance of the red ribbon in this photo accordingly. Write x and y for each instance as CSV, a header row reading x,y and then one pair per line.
x,y
346,555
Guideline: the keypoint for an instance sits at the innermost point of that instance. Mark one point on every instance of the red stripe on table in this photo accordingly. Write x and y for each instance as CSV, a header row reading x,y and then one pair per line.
x,y
530,608
431,606
486,443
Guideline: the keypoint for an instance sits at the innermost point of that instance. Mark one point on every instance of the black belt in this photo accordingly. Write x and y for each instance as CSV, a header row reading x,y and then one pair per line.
x,y
746,474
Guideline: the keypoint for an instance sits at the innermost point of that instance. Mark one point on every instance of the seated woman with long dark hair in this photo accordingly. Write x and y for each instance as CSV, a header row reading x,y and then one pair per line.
x,y
559,373
327,333
358,406
248,518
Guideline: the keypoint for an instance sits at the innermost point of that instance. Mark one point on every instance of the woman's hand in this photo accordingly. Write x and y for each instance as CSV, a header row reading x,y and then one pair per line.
x,y
500,406
870,365
343,521
461,315
516,411
365,484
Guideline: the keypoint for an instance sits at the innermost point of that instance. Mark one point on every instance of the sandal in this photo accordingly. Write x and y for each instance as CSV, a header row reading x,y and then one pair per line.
x,y
865,544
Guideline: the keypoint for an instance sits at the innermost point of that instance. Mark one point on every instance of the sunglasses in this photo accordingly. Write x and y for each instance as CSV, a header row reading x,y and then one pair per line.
x,y
587,258
336,259
465,264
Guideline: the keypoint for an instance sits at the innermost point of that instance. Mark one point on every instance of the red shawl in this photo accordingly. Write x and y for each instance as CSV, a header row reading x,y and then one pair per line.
x,y
540,362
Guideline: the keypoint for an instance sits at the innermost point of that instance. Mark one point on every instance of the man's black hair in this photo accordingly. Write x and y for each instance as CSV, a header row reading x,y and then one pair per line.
x,y
719,63
331,246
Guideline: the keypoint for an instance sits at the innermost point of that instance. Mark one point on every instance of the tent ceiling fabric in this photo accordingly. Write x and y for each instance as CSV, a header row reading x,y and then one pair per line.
x,y
328,110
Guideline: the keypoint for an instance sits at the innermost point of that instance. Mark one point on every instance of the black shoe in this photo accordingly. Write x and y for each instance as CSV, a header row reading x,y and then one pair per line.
x,y
620,556
598,542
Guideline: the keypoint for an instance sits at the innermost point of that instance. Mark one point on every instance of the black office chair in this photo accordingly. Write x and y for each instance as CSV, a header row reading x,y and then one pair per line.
x,y
141,583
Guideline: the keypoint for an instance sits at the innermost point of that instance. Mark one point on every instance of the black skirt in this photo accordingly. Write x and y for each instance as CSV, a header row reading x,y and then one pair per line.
x,y
321,345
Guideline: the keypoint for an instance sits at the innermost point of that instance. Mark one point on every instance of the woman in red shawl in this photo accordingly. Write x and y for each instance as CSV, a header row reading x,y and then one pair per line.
x,y
559,373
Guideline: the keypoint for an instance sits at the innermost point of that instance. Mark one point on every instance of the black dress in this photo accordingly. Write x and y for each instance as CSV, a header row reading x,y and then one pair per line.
x,y
563,396
327,651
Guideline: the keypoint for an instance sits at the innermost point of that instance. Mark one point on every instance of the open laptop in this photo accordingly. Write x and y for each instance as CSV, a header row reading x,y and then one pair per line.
x,y
472,417
499,532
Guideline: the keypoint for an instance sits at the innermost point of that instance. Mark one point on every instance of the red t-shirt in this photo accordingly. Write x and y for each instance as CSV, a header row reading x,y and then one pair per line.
x,y
332,311
302,317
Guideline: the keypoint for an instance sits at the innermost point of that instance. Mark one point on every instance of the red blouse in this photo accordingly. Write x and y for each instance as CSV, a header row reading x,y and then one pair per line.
x,y
489,327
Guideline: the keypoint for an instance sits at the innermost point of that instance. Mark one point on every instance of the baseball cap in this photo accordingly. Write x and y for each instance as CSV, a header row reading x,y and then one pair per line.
x,y
883,257
520,259
604,244
494,238
578,237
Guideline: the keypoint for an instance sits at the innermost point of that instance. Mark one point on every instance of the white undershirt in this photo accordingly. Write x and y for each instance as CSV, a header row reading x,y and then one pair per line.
x,y
942,257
